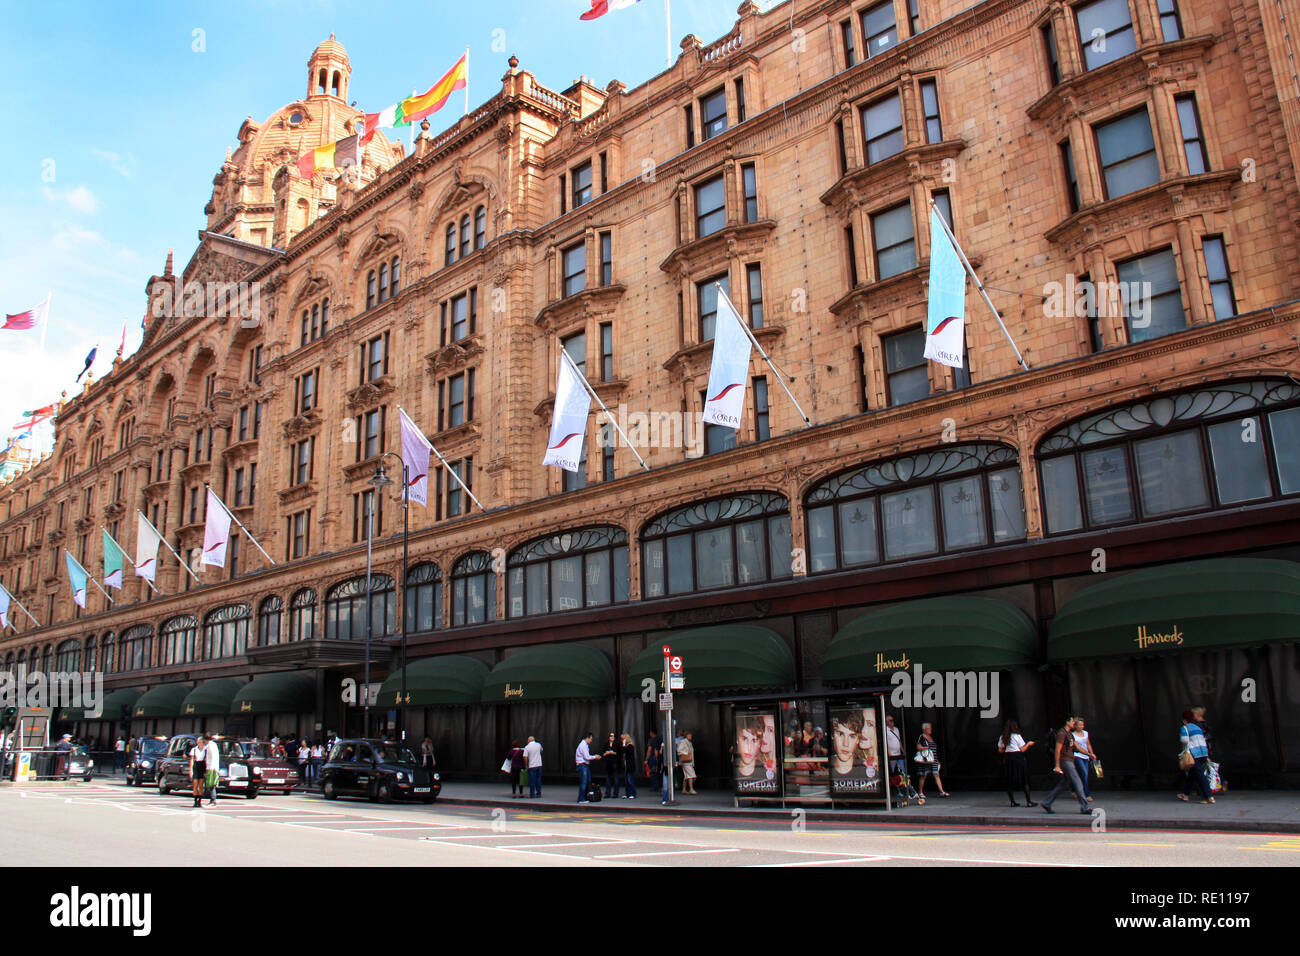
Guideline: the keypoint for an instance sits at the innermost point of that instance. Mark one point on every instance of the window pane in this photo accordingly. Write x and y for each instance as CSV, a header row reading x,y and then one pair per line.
x,y
1153,298
1285,426
1240,468
1171,473
1105,475
477,600
1008,501
597,578
963,512
883,123
1106,31
909,523
779,545
858,543
713,560
910,386
566,583
679,564
905,350
652,556
1127,152
539,601
751,557
621,574
821,539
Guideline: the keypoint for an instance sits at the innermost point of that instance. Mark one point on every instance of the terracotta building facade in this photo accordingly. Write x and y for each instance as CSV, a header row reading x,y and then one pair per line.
x,y
1122,175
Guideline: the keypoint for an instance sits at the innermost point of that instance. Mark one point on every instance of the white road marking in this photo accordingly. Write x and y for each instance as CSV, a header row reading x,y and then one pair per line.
x,y
576,844
619,856
851,859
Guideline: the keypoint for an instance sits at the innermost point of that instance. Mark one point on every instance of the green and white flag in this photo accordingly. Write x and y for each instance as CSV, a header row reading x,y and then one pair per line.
x,y
112,562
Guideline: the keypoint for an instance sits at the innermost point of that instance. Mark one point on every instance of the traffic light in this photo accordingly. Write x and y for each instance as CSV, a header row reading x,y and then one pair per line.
x,y
7,717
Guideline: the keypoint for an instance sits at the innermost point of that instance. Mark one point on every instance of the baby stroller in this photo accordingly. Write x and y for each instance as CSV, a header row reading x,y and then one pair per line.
x,y
900,786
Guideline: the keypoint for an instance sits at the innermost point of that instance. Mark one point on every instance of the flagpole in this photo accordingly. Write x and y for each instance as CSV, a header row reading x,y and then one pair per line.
x,y
208,487
414,92
20,607
668,23
467,81
608,414
978,284
125,555
45,325
89,577
179,559
780,377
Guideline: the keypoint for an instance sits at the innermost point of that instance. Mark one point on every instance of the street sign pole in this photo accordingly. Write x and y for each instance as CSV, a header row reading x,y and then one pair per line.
x,y
670,748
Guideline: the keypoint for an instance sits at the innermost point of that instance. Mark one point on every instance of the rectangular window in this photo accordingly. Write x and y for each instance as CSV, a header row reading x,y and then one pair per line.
x,y
606,258
252,483
300,529
243,426
713,114
930,106
576,347
893,236
606,452
456,502
706,295
754,277
906,377
461,326
257,419
574,480
914,16
194,505
302,458
690,126
239,487
843,147
373,434
1222,298
564,195
850,53
575,269
607,352
1189,121
449,255
604,173
1128,154
1171,24
304,393
1071,179
375,358
1053,61
1153,299
1105,31
851,246
717,438
456,400
879,29
710,207
882,124
581,179
1090,312
751,192
943,203
762,429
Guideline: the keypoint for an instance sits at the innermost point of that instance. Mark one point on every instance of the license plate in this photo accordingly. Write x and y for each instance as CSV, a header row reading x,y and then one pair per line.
x,y
421,789
239,783
275,780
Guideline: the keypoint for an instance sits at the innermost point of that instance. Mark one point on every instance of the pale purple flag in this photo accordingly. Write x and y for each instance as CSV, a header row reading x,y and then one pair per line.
x,y
216,532
729,372
147,541
569,424
415,455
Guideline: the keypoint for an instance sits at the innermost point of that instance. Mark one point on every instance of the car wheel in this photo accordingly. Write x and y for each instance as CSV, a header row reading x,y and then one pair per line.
x,y
163,789
384,793
428,799
251,795
89,777
327,790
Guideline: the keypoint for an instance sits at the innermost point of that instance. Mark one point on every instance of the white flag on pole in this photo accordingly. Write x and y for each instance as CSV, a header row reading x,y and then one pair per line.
x,y
569,423
415,455
216,532
725,399
147,541
4,608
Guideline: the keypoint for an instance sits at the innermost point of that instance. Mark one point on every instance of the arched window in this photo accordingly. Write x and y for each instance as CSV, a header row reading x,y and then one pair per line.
x,y
423,597
10,665
268,621
108,653
324,316
90,655
464,236
68,656
948,499
394,276
370,289
334,83
225,632
178,638
1220,446
345,609
383,281
135,648
47,658
473,590
22,657
315,322
306,327
302,615
564,572
720,543
480,227
450,256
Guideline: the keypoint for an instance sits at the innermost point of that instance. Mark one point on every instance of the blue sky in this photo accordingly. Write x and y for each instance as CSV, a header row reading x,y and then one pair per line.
x,y
118,124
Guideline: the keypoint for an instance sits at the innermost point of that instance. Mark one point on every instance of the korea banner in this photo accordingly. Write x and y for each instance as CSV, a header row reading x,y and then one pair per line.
x,y
569,424
945,325
415,455
4,608
216,532
147,541
725,398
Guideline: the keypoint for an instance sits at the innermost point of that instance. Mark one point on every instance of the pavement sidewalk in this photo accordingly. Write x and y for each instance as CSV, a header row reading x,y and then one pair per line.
x,y
1250,811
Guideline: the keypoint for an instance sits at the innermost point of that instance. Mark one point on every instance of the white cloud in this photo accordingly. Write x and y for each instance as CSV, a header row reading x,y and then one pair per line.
x,y
123,163
79,198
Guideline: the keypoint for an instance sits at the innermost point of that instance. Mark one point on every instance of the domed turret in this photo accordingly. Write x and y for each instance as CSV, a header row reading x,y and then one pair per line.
x,y
328,71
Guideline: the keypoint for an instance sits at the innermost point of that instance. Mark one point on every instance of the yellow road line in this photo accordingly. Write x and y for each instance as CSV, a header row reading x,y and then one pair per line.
x,y
1284,849
990,840
1141,844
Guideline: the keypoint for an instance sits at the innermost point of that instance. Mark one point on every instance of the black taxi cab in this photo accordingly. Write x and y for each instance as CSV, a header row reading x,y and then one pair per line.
x,y
377,769
235,774
143,754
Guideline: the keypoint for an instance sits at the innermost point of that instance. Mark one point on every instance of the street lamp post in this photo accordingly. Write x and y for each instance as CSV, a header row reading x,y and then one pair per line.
x,y
381,480
370,510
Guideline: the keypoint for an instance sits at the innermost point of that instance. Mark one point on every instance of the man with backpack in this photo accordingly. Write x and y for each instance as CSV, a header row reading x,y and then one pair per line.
x,y
1068,774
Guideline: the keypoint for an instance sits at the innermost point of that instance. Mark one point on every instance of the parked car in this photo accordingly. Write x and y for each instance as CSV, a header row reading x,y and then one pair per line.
x,y
142,760
276,773
234,775
378,769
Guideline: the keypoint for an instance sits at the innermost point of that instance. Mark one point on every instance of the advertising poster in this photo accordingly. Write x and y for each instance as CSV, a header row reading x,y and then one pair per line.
x,y
855,753
754,756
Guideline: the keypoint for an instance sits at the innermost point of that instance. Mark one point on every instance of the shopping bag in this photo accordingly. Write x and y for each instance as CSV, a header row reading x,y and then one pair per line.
x,y
1096,766
1212,777
505,765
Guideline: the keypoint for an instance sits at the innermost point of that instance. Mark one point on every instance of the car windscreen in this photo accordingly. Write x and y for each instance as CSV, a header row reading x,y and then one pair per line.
x,y
230,749
151,748
257,750
396,755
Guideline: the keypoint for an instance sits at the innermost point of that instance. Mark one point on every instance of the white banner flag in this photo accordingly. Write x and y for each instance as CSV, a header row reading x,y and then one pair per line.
x,y
569,422
725,399
147,541
415,455
4,608
216,532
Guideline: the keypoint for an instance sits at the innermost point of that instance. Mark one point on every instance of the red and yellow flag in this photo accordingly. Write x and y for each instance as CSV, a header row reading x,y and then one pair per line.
x,y
345,152
415,108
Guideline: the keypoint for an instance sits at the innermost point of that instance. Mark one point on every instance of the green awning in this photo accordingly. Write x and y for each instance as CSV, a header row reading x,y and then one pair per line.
x,y
437,681
119,702
944,633
161,701
1187,606
551,672
288,692
726,657
211,698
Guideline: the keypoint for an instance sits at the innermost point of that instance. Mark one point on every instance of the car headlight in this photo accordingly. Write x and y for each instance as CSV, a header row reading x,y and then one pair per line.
x,y
90,763
146,764
401,777
257,771
437,776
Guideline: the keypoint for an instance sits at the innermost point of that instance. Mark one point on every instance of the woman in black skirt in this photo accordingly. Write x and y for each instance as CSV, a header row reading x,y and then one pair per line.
x,y
1013,748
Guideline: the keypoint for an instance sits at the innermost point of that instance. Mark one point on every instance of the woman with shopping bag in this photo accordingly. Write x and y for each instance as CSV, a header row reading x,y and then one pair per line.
x,y
1193,759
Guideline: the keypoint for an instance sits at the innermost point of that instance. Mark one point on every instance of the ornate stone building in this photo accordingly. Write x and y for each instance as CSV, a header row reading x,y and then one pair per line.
x,y
1121,174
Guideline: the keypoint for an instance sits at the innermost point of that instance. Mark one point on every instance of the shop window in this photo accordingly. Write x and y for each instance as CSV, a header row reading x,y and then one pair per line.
x,y
302,615
473,590
423,598
269,613
345,609
569,571
225,632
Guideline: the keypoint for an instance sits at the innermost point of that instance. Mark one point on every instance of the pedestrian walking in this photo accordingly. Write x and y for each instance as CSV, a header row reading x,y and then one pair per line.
x,y
304,761
317,758
628,758
119,754
213,761
1013,748
533,755
198,769
1063,758
610,761
1194,759
654,760
927,761
686,757
1084,755
583,758
427,760
515,763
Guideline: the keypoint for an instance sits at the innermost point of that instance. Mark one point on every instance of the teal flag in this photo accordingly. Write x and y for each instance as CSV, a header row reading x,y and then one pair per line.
x,y
77,575
945,326
112,562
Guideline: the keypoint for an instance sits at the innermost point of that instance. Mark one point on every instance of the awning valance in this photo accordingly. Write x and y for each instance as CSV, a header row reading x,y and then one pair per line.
x,y
281,693
161,701
725,657
550,672
211,698
437,681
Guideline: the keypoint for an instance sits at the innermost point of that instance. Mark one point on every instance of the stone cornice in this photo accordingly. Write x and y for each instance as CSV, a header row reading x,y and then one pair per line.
x,y
738,238
563,313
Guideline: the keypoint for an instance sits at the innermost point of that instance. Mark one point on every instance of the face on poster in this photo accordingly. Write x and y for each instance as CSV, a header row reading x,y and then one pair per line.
x,y
855,751
755,754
